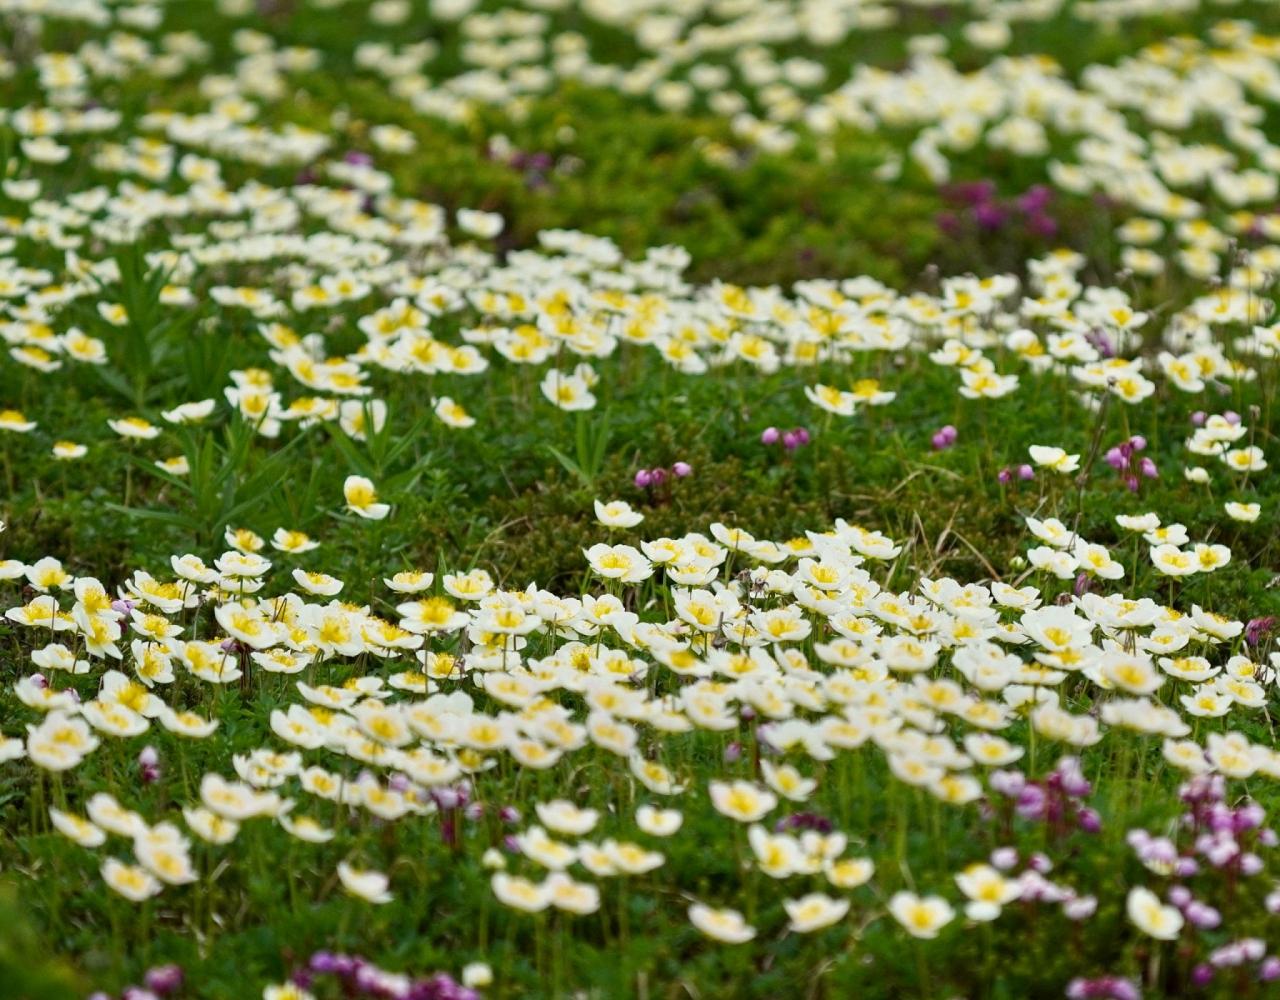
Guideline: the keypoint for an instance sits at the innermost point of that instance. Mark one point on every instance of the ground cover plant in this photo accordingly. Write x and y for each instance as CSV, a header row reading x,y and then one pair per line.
x,y
613,499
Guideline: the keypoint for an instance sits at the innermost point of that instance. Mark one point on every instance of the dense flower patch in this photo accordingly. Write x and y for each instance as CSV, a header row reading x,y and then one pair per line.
x,y
424,576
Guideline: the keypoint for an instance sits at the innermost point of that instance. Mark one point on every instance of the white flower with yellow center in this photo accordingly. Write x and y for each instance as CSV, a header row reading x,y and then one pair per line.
x,y
362,499
725,925
1152,917
364,884
814,912
921,916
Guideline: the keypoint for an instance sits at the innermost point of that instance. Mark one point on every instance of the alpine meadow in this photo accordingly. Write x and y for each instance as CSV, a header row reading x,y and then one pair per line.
x,y
658,499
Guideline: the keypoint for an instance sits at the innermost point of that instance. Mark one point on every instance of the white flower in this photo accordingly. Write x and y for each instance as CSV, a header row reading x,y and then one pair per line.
x,y
486,225
477,975
814,912
1172,561
724,925
362,499
519,893
617,514
568,392
831,399
658,822
1141,523
922,916
741,800
133,882
1243,511
1054,458
367,885
1150,916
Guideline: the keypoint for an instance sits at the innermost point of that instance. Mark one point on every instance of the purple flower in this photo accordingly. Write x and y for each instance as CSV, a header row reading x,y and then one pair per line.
x,y
1040,863
1080,908
1158,851
1069,776
1042,225
1103,988
1032,802
1101,343
1007,783
1258,629
1230,956
1036,199
1004,858
1202,915
1026,472
948,223
682,469
643,479
989,215
970,192
804,821
944,438
164,979
149,765
771,435
324,962
1248,816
